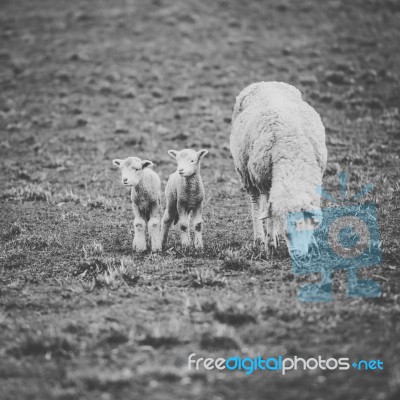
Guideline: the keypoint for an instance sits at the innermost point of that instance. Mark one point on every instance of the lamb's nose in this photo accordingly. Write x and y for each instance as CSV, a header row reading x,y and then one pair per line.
x,y
125,180
180,169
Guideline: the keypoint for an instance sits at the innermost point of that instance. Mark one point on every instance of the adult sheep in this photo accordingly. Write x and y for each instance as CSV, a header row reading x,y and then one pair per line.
x,y
278,146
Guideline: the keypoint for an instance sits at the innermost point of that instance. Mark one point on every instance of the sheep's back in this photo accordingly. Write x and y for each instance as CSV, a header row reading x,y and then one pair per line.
x,y
252,144
271,121
265,94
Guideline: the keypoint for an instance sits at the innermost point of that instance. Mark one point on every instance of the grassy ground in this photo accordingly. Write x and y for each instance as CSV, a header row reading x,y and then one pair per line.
x,y
84,82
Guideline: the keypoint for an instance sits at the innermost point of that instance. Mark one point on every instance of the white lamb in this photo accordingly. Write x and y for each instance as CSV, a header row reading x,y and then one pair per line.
x,y
146,200
184,195
278,146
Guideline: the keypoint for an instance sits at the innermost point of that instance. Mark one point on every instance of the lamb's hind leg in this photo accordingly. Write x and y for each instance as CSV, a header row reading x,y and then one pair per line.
x,y
259,236
169,216
184,221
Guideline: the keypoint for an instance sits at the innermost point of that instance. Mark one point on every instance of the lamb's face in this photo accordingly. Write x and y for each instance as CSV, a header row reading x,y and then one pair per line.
x,y
300,229
132,169
188,161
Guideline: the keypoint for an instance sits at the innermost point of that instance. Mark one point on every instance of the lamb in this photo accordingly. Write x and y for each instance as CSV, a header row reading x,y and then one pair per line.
x,y
146,200
278,146
184,195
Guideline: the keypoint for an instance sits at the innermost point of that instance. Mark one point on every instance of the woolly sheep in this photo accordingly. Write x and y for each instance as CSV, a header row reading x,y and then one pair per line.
x,y
146,200
278,146
184,195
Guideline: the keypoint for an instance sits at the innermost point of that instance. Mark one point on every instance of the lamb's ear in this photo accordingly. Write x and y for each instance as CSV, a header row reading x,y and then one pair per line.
x,y
146,163
172,153
117,162
202,153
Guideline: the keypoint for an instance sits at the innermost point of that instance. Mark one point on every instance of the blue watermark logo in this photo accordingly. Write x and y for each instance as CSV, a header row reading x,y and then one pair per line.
x,y
346,239
249,365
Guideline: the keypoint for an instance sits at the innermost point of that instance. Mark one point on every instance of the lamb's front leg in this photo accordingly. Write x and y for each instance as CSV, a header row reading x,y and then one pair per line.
x,y
139,223
259,236
198,227
184,220
154,230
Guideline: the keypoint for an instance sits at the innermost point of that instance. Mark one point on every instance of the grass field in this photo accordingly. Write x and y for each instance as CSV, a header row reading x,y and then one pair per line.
x,y
83,82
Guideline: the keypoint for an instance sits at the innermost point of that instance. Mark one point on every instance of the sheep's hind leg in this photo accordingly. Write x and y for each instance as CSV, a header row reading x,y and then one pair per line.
x,y
198,228
270,237
154,231
270,230
259,236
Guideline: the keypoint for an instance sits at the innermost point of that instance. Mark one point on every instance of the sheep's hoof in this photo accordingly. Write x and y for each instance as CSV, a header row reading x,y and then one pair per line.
x,y
259,245
269,250
139,248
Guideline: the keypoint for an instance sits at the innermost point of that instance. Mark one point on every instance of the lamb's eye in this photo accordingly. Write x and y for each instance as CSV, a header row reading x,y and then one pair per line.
x,y
192,161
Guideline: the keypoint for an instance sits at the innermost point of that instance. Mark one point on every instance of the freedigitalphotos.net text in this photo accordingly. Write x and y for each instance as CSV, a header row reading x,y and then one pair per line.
x,y
249,365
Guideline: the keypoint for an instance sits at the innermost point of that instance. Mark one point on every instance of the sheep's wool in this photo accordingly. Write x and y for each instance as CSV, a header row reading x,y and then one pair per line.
x,y
278,146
